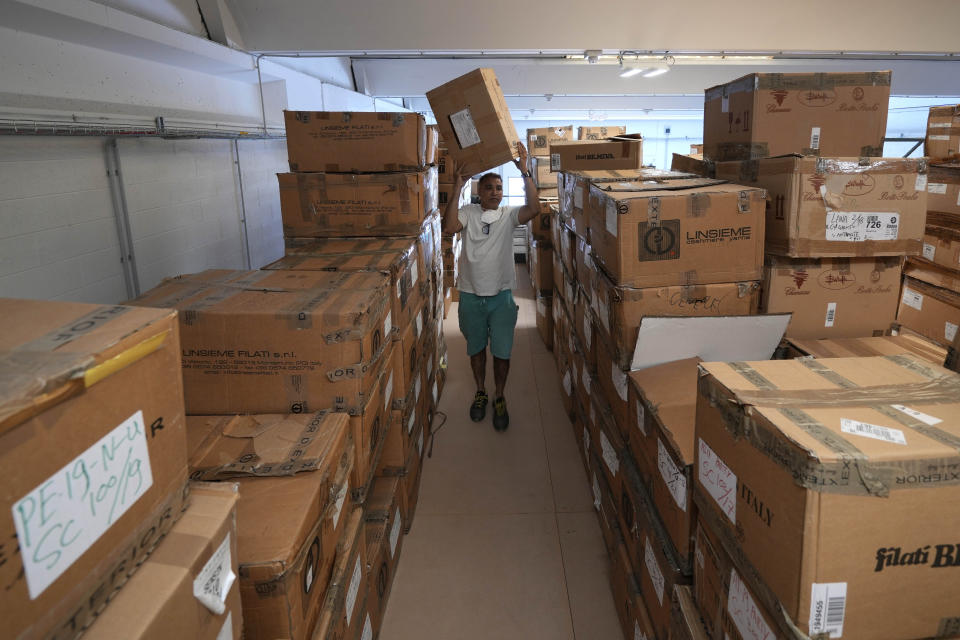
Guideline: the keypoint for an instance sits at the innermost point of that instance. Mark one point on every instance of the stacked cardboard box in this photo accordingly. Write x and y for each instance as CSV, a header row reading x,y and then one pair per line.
x,y
599,133
93,439
930,300
943,133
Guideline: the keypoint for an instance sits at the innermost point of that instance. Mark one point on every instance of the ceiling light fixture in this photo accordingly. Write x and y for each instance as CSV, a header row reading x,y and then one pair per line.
x,y
653,73
630,71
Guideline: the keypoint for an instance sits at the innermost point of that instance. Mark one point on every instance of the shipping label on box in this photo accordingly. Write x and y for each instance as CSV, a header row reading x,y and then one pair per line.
x,y
771,114
350,142
848,447
623,153
93,433
690,232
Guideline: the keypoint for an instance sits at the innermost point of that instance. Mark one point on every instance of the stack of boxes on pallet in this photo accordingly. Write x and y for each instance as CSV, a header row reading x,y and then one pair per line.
x,y
930,302
758,499
298,398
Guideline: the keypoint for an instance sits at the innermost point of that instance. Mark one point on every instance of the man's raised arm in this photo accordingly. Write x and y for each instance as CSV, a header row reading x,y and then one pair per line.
x,y
532,206
451,215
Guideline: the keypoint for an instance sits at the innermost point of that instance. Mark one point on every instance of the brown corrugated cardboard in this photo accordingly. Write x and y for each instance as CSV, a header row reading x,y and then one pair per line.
x,y
662,403
943,188
941,245
584,327
685,621
690,232
833,298
540,139
930,311
357,141
410,478
408,356
834,207
398,257
729,607
92,438
540,171
620,309
617,154
191,574
370,426
770,114
934,274
813,474
474,121
278,341
345,602
545,320
599,133
540,227
446,192
384,540
631,608
694,164
873,346
224,447
943,133
444,167
541,267
368,204
289,536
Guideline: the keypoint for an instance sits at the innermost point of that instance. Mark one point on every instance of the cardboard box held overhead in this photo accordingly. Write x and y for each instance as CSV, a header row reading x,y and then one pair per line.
x,y
682,232
188,587
370,204
833,298
621,153
93,444
943,133
771,114
813,475
843,207
278,341
474,121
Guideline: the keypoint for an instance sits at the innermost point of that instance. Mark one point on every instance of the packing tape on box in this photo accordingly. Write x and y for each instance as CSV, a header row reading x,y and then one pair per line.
x,y
815,81
859,249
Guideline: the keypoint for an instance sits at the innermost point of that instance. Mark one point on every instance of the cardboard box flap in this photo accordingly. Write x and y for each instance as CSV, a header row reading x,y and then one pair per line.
x,y
850,425
871,346
348,254
50,352
380,502
267,445
275,516
933,274
665,338
670,390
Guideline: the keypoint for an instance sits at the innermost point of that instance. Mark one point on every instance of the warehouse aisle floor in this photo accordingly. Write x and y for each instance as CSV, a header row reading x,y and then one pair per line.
x,y
505,542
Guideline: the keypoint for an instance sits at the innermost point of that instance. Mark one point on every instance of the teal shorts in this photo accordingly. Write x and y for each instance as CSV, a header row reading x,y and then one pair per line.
x,y
488,318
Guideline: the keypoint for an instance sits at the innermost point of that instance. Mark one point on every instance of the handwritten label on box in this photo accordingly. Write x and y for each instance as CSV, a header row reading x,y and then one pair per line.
x,y
718,480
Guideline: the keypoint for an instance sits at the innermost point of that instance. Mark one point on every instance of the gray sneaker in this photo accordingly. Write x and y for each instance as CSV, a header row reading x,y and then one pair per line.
x,y
479,407
501,419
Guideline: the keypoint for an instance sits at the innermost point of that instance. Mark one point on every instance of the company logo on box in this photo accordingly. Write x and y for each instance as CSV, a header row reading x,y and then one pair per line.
x,y
858,93
799,277
859,185
779,95
819,98
898,182
659,242
836,279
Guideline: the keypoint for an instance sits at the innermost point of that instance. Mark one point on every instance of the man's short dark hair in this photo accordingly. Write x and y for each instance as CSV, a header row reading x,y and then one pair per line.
x,y
489,176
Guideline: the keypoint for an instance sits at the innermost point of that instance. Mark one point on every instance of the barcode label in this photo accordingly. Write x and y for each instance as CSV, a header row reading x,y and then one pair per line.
x,y
725,104
815,138
882,226
922,417
609,454
929,251
554,162
921,184
857,226
949,331
828,604
876,432
939,188
210,587
831,314
913,299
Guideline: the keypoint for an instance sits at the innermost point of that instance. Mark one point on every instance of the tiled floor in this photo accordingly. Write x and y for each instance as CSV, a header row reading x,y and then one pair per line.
x,y
505,543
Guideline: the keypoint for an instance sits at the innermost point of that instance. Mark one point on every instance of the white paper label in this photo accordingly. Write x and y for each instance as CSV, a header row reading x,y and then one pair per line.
x,y
922,417
417,387
463,126
828,604
567,385
213,582
815,138
939,188
419,320
619,381
641,418
367,633
64,515
338,506
395,532
226,631
831,314
578,198
609,454
958,198
856,226
921,184
596,493
611,218
656,576
555,162
939,125
913,299
672,475
940,138
436,393
353,589
586,380
929,251
725,104
411,421
388,394
949,331
429,367
876,432
744,611
388,325
718,480
399,290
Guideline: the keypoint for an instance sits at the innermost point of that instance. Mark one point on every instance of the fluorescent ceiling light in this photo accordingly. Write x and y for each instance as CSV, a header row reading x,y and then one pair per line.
x,y
629,72
653,73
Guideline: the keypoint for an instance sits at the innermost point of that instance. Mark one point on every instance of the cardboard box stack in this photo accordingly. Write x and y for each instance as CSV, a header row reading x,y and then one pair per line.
x,y
310,383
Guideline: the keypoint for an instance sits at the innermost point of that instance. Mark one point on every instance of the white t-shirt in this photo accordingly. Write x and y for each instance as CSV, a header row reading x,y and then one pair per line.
x,y
486,261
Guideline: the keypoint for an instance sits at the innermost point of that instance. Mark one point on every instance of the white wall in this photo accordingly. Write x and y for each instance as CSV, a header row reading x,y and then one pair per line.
x,y
260,162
